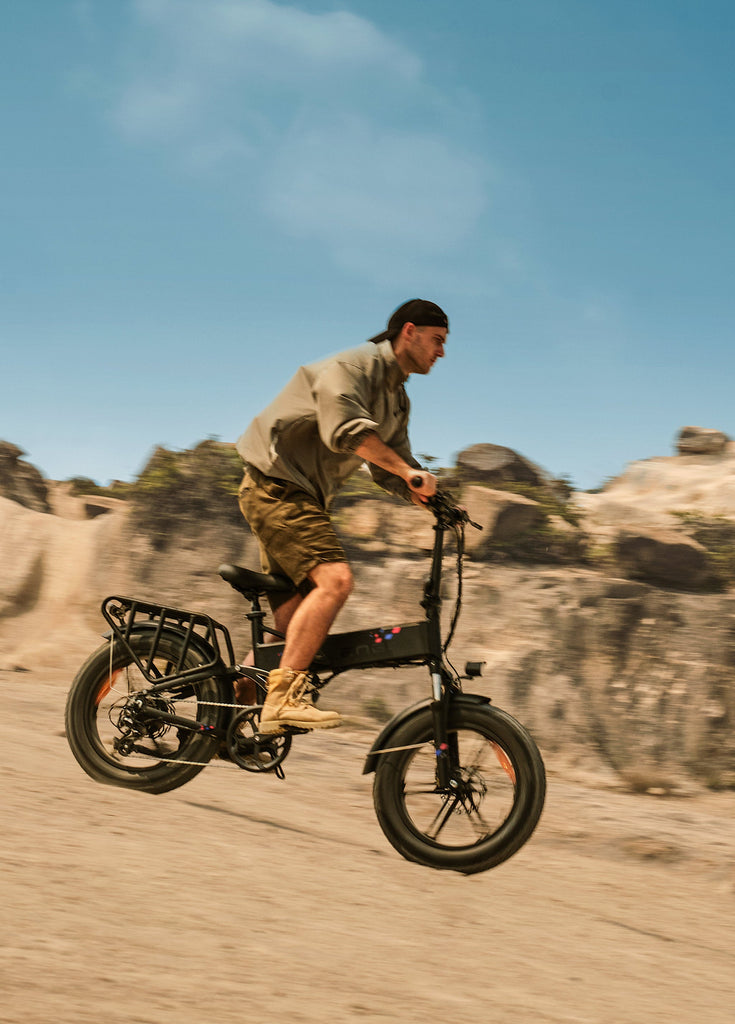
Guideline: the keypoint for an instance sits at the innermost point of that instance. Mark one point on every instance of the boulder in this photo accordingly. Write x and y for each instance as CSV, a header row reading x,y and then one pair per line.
x,y
494,464
701,441
662,556
502,516
19,481
376,527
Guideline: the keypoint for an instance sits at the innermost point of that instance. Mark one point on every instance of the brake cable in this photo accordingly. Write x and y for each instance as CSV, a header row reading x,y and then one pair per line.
x,y
458,528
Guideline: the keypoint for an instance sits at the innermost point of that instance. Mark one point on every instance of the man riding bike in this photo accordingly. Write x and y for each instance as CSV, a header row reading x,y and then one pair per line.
x,y
331,417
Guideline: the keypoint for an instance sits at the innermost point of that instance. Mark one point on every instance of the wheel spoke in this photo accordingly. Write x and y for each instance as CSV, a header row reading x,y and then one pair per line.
x,y
163,750
481,827
473,764
442,817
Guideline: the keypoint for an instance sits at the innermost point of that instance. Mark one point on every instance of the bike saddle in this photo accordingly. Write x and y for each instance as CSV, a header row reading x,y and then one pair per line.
x,y
251,583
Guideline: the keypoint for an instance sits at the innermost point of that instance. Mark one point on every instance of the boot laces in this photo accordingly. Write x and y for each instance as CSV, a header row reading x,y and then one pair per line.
x,y
301,690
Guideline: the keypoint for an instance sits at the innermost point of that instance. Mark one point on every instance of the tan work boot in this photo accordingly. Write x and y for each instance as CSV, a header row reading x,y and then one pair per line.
x,y
286,704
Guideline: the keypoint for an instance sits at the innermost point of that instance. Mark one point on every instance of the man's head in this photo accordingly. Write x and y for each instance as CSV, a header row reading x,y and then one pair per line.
x,y
417,330
419,312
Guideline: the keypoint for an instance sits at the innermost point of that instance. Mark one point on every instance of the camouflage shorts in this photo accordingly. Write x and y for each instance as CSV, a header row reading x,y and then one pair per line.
x,y
293,529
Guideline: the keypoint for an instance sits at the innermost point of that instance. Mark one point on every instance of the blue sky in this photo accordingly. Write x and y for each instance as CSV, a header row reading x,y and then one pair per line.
x,y
198,196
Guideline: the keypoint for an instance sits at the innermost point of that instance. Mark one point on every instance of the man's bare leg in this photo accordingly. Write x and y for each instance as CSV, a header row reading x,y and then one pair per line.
x,y
281,618
310,622
306,621
311,619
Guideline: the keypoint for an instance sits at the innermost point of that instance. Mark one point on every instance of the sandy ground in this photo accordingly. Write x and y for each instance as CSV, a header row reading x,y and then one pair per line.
x,y
245,898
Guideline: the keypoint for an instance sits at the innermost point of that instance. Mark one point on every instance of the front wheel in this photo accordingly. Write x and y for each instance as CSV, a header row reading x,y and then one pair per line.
x,y
493,800
122,735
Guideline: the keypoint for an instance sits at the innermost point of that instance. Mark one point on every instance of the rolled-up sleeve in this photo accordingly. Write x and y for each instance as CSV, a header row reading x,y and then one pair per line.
x,y
342,399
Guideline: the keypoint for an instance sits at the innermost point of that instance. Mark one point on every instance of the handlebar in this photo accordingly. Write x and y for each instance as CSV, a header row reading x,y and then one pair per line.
x,y
443,506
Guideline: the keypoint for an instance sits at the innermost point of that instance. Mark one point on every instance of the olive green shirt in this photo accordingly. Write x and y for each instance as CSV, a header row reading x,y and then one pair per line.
x,y
309,433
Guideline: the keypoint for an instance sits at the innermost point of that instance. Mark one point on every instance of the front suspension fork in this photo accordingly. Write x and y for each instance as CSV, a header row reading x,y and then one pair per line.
x,y
444,748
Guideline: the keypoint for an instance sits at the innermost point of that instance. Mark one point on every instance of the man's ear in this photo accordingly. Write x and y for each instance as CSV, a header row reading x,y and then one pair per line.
x,y
409,329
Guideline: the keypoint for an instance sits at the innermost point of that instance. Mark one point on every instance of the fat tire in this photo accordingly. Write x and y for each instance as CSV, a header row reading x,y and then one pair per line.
x,y
84,717
527,794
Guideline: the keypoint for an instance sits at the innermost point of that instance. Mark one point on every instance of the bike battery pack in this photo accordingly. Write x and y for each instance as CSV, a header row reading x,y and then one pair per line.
x,y
363,648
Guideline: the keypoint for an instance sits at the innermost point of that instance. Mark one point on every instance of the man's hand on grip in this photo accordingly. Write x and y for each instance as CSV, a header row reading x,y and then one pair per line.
x,y
422,485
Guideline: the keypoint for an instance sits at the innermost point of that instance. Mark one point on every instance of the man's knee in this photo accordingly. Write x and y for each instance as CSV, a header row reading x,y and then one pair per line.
x,y
333,577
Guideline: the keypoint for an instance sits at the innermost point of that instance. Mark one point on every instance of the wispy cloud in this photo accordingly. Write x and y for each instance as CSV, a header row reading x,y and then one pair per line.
x,y
333,124
377,192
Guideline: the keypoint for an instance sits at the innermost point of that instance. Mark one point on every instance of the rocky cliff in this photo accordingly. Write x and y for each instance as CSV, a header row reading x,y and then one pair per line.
x,y
567,598
19,480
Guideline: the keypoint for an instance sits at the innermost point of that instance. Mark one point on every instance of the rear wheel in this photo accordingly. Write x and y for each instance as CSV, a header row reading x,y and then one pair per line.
x,y
119,732
493,800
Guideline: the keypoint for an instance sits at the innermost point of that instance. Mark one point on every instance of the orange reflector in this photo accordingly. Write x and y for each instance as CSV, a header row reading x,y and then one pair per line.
x,y
505,763
105,688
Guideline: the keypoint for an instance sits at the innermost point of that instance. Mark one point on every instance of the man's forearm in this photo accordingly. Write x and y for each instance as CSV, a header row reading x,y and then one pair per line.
x,y
420,485
373,450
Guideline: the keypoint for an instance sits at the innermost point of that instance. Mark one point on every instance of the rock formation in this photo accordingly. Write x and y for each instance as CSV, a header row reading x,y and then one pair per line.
x,y
662,556
701,441
494,465
598,639
19,481
502,516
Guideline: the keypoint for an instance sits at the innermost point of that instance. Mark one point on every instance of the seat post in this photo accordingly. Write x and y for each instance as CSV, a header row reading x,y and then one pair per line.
x,y
255,616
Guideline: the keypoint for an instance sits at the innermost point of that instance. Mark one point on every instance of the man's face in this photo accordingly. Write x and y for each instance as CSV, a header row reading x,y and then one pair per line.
x,y
424,345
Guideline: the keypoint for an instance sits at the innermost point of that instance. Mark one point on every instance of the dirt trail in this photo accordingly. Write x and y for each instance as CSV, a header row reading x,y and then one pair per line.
x,y
242,898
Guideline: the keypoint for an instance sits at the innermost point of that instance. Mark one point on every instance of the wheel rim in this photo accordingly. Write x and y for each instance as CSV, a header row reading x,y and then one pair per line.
x,y
478,801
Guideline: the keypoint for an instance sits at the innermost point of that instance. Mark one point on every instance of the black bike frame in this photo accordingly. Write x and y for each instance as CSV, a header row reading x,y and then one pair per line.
x,y
410,643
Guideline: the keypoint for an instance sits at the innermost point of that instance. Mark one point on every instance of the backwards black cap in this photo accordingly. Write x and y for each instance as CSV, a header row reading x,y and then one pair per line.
x,y
420,312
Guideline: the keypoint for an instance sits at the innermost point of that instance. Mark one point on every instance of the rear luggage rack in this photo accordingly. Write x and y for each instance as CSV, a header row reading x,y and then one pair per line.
x,y
129,617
